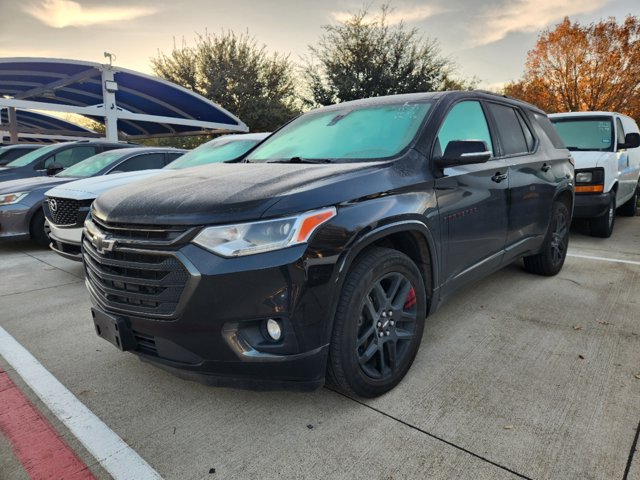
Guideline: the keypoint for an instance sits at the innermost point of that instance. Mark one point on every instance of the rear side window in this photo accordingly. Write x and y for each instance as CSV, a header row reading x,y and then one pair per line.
x,y
509,129
71,156
141,162
465,121
549,130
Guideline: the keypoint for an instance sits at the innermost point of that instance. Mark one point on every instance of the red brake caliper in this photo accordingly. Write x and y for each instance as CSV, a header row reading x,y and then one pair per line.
x,y
411,299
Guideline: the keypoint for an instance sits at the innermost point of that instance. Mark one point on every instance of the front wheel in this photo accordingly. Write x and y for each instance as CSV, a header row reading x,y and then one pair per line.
x,y
602,226
553,252
378,324
39,230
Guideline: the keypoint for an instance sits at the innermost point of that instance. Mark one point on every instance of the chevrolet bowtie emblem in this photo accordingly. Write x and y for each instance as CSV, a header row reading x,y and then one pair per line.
x,y
103,243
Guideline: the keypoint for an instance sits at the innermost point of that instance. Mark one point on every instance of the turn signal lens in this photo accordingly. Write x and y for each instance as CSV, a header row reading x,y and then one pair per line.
x,y
589,188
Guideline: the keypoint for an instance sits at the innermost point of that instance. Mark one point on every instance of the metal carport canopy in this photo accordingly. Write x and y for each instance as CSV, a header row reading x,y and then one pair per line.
x,y
127,102
40,128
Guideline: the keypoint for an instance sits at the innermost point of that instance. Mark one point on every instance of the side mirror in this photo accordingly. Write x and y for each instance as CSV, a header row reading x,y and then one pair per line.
x,y
464,152
631,140
54,168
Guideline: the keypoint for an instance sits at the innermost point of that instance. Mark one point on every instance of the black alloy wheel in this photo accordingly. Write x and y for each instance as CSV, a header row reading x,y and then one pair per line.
x,y
553,252
378,324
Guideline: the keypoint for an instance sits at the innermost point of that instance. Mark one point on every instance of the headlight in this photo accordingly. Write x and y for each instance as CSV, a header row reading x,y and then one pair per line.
x,y
11,198
584,177
264,236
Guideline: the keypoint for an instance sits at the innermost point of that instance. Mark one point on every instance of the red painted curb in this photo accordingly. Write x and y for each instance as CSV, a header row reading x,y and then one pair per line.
x,y
40,449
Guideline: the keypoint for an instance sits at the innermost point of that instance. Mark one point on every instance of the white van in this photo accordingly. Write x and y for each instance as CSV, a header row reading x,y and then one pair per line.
x,y
606,149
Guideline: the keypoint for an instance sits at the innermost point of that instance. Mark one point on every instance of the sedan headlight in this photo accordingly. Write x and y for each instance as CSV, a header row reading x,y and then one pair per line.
x,y
263,236
11,198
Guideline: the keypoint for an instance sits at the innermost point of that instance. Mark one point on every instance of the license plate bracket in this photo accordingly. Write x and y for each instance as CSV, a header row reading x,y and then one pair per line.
x,y
113,329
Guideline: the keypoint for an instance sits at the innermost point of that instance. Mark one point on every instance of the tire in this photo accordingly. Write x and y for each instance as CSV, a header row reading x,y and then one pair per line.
x,y
630,207
38,231
550,259
372,350
602,226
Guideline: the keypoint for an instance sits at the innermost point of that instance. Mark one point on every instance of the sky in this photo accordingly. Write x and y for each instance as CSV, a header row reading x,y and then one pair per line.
x,y
488,40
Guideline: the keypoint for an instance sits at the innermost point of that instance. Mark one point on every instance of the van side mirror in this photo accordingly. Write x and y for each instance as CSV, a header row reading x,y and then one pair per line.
x,y
54,168
631,140
464,152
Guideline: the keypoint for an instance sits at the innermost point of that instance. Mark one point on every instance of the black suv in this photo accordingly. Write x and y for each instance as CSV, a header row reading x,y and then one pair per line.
x,y
54,158
322,253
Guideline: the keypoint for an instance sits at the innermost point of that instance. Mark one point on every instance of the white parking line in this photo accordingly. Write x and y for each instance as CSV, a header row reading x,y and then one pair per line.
x,y
603,259
113,453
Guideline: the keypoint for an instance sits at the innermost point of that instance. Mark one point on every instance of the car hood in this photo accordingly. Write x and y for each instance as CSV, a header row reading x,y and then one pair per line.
x,y
221,193
90,188
29,184
590,159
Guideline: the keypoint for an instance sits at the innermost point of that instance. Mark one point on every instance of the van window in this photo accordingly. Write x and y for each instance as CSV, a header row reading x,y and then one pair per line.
x,y
621,134
585,133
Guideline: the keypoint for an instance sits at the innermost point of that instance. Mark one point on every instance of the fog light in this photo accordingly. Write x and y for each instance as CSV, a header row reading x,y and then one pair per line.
x,y
273,329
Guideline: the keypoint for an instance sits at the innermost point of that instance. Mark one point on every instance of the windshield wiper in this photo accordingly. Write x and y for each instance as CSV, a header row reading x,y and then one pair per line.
x,y
301,160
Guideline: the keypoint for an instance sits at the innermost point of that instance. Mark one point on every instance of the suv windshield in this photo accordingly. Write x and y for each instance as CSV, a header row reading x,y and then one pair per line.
x,y
587,133
357,133
92,165
215,151
27,158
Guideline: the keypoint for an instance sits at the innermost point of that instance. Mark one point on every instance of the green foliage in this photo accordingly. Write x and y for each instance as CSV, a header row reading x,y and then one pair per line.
x,y
236,73
366,57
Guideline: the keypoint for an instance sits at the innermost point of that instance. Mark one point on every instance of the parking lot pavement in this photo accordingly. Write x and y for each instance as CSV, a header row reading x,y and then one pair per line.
x,y
518,376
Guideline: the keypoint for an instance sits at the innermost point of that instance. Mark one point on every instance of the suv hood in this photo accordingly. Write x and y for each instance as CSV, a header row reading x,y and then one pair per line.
x,y
589,159
221,193
29,184
90,188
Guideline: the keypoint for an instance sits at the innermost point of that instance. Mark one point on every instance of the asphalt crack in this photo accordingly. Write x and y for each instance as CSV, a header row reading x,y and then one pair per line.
x,y
440,439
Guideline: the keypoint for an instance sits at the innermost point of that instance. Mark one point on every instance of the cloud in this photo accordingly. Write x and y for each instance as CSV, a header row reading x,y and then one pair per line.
x,y
67,13
397,15
526,16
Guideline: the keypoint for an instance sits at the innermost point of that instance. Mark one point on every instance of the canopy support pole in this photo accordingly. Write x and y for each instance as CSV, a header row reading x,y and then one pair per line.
x,y
13,125
109,88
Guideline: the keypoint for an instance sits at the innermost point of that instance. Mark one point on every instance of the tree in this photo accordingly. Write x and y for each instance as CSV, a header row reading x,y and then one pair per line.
x,y
236,73
584,68
366,57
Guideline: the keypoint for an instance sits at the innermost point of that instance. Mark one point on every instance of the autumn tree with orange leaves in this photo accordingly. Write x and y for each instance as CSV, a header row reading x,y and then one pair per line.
x,y
581,68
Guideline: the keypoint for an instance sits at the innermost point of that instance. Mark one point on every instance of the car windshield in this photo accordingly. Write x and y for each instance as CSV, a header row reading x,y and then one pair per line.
x,y
586,134
215,151
93,165
27,158
351,132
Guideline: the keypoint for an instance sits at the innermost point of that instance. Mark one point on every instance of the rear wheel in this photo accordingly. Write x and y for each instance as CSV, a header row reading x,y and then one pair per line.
x,y
602,226
630,207
378,325
553,252
38,230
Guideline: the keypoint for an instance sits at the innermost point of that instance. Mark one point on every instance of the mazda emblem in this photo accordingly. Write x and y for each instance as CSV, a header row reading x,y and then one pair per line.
x,y
53,205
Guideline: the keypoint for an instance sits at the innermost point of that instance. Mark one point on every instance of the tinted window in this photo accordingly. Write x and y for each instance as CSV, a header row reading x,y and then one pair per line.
x,y
93,165
12,153
171,156
509,129
465,121
30,157
548,129
586,133
348,132
145,161
531,141
70,156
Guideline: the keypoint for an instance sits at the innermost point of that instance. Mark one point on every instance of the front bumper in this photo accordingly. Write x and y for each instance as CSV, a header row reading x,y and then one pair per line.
x,y
591,205
66,241
14,222
215,333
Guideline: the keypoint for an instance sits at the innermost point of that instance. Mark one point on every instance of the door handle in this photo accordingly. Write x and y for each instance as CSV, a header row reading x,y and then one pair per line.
x,y
498,177
545,167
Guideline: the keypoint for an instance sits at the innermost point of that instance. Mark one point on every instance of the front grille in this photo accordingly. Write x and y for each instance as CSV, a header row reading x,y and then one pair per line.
x,y
68,211
146,283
